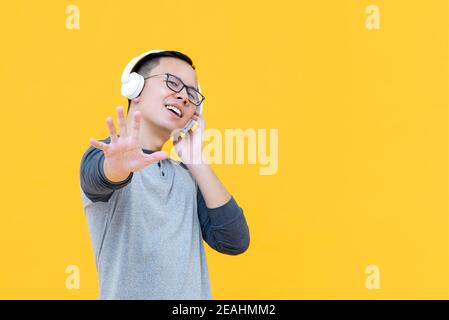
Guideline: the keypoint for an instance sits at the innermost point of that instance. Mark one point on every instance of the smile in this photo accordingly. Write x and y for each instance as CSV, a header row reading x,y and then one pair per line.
x,y
175,110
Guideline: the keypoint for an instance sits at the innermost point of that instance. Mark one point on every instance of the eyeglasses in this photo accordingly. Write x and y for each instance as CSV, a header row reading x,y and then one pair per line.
x,y
175,84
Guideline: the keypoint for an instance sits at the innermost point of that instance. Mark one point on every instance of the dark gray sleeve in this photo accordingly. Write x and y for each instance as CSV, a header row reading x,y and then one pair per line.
x,y
223,228
93,181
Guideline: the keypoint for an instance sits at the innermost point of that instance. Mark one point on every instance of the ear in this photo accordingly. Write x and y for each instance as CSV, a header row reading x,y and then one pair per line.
x,y
136,100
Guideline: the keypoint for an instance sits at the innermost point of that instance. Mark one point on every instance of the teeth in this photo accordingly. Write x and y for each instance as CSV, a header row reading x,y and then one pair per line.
x,y
170,107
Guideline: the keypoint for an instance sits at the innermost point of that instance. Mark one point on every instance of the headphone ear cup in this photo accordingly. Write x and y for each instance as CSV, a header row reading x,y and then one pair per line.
x,y
134,85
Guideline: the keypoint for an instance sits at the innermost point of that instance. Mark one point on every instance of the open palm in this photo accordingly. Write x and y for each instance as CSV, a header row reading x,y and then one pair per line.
x,y
123,154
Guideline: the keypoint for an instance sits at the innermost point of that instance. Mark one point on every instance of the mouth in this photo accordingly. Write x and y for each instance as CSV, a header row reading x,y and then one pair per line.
x,y
174,110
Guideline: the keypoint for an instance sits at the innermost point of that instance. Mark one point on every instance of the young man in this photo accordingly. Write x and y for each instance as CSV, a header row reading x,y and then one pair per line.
x,y
148,214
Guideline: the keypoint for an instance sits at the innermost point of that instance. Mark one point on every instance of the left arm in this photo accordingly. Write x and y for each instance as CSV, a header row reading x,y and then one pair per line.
x,y
222,221
214,192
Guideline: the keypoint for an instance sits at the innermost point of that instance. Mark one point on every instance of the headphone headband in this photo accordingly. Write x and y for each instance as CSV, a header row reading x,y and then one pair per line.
x,y
129,67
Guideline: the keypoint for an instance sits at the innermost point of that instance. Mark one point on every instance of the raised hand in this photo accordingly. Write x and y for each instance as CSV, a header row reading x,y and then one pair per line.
x,y
189,148
123,154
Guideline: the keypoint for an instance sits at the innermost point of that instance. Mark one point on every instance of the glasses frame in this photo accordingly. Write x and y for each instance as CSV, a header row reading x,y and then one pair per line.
x,y
183,86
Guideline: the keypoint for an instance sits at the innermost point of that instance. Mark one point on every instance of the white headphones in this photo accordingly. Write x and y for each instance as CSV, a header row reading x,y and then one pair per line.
x,y
132,82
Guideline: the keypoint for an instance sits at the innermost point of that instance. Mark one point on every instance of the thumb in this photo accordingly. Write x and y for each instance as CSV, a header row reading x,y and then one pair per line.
x,y
156,156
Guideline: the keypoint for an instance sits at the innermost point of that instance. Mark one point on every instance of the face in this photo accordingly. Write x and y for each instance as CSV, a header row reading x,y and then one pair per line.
x,y
155,96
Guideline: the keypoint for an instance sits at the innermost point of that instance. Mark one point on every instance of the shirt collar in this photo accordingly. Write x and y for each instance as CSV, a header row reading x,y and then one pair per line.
x,y
147,151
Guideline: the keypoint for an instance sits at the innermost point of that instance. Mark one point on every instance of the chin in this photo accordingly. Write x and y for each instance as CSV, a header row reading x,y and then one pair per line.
x,y
170,126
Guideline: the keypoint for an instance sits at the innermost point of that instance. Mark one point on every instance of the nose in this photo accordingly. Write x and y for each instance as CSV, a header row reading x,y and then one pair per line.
x,y
183,95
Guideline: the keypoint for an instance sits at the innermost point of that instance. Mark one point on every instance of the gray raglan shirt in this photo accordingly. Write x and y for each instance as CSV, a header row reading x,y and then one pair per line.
x,y
147,232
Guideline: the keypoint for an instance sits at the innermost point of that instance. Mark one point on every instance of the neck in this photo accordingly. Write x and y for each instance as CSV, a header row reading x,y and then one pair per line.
x,y
150,136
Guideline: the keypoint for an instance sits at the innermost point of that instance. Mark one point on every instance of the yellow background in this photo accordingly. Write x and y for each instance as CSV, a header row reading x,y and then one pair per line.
x,y
363,138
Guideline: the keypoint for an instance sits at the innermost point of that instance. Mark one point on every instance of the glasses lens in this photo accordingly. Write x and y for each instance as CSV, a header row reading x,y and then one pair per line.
x,y
176,85
194,96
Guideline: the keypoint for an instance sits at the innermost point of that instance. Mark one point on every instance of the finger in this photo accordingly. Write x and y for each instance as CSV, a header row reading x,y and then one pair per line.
x,y
121,121
155,156
198,118
175,135
98,144
136,126
112,131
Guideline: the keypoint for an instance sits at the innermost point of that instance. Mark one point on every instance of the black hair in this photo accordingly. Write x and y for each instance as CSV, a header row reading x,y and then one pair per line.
x,y
144,66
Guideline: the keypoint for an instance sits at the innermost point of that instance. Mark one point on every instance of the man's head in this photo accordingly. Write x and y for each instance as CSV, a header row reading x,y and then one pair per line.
x,y
157,93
